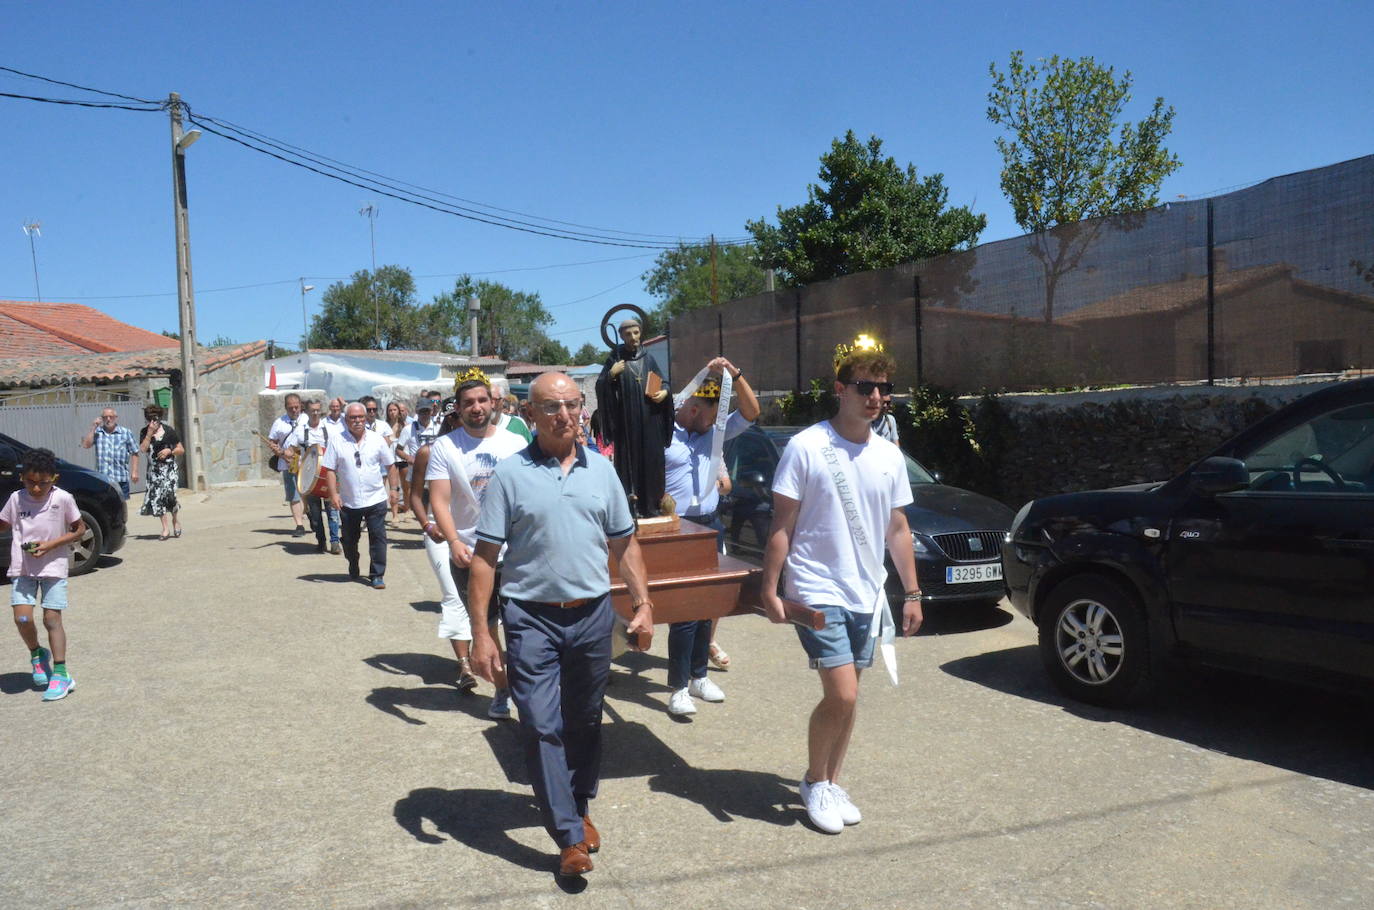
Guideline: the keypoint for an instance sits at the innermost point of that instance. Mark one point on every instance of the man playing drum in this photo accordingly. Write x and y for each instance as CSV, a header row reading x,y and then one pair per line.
x,y
307,443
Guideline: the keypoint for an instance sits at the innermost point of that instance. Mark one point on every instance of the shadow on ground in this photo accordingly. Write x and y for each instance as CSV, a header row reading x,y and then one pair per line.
x,y
426,606
1311,732
438,693
14,683
953,619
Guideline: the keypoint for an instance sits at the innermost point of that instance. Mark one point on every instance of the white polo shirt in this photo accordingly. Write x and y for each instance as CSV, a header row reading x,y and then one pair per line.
x,y
360,468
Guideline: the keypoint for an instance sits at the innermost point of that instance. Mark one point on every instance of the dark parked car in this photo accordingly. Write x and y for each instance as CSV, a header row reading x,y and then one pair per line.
x,y
102,507
956,534
1258,558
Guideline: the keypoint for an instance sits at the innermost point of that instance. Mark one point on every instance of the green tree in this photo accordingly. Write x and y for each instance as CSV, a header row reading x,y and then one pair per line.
x,y
551,352
681,278
353,314
1066,157
866,213
588,353
510,323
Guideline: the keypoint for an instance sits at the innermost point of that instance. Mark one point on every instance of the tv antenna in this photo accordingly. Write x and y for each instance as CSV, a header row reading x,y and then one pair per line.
x,y
32,229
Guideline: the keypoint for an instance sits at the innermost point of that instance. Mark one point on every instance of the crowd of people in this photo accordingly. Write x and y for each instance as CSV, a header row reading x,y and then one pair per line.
x,y
520,515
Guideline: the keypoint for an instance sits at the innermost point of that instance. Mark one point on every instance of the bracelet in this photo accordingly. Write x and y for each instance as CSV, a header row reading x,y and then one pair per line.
x,y
913,595
428,525
736,377
642,603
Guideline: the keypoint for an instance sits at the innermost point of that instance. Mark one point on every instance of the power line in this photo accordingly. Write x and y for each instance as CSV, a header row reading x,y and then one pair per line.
x,y
84,88
266,284
105,104
434,204
356,170
593,296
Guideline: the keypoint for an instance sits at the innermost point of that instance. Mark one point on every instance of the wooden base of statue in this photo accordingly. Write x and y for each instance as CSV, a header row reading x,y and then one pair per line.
x,y
690,580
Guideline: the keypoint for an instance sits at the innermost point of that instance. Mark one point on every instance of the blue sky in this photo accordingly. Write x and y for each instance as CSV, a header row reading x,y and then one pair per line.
x,y
668,119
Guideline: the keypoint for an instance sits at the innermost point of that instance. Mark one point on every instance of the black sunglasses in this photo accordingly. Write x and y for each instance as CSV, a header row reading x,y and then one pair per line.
x,y
866,386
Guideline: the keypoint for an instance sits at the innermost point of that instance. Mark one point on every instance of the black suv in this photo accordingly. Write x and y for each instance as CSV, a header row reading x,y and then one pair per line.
x,y
102,506
1258,558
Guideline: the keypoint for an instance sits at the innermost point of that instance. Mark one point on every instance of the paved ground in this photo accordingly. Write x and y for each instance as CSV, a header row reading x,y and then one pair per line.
x,y
248,729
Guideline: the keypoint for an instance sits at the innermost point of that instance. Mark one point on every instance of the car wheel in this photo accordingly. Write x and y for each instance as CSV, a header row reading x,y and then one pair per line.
x,y
86,551
1094,641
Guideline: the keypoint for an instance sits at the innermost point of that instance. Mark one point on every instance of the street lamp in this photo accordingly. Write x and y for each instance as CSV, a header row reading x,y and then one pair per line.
x,y
305,326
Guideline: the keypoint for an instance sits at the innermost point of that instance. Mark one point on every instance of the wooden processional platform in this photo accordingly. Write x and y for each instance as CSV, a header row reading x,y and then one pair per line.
x,y
689,579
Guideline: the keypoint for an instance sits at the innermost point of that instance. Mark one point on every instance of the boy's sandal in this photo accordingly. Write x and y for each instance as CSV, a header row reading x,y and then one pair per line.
x,y
719,657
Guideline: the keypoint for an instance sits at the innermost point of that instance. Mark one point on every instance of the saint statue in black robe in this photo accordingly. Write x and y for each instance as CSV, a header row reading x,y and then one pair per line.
x,y
638,425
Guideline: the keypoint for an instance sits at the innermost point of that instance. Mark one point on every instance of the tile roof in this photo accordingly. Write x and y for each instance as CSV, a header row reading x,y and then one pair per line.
x,y
440,357
56,328
112,366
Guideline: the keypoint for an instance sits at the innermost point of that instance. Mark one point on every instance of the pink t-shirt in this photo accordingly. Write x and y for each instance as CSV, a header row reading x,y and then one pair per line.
x,y
39,519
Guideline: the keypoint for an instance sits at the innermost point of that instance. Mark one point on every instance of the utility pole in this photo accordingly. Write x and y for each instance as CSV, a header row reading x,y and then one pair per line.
x,y
370,211
31,228
190,373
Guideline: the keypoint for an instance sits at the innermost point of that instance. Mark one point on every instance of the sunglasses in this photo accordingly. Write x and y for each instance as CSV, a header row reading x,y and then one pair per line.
x,y
866,386
372,410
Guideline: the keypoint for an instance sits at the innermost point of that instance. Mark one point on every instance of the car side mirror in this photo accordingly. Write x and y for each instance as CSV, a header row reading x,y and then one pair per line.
x,y
1220,475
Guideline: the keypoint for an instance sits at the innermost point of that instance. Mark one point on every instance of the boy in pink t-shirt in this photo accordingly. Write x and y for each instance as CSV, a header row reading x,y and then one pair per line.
x,y
45,522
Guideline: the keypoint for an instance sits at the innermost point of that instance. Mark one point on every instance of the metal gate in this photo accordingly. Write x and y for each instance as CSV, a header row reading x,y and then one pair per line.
x,y
60,427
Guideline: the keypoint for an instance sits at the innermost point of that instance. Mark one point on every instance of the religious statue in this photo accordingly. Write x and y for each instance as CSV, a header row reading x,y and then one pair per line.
x,y
637,415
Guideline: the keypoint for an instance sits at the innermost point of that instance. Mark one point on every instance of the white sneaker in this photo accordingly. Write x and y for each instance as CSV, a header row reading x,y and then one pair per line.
x,y
705,690
822,807
849,813
680,703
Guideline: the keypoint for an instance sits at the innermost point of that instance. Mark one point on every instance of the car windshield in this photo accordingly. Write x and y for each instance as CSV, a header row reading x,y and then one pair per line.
x,y
916,473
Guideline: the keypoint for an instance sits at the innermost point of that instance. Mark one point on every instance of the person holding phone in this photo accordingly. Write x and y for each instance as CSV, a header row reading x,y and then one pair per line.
x,y
162,444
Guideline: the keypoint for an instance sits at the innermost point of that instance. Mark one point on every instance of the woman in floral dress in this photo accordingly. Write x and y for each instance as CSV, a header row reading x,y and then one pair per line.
x,y
163,445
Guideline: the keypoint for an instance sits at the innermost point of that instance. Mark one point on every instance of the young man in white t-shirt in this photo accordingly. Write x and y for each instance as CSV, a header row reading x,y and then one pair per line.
x,y
817,532
460,465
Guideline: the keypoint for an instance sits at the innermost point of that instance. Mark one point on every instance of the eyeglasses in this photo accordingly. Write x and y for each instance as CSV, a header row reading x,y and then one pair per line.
x,y
551,408
866,386
372,410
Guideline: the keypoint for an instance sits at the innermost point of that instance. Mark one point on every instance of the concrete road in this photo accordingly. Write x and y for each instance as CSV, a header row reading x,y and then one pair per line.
x,y
250,730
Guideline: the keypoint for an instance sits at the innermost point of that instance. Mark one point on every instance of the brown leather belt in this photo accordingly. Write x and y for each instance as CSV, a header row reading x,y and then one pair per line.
x,y
571,604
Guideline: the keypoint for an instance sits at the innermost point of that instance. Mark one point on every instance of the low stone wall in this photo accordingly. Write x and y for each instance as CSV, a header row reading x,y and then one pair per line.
x,y
1035,445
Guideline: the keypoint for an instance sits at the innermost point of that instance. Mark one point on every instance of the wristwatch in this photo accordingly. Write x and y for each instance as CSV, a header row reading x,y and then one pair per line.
x,y
736,377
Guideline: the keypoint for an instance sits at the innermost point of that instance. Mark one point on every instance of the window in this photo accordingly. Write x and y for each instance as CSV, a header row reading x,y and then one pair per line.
x,y
1330,452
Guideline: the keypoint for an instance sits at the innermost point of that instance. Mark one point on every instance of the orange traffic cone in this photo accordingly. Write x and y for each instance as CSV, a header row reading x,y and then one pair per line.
x,y
272,377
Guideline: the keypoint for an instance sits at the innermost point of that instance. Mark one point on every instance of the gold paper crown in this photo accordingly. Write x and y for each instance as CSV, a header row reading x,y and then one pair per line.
x,y
709,388
862,343
472,373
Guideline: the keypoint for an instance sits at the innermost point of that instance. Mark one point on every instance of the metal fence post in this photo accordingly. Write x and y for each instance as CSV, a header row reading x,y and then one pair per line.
x,y
920,337
1211,299
796,319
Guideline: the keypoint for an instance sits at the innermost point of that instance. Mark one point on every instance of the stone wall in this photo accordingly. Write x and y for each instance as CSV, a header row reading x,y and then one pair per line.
x,y
1040,445
229,414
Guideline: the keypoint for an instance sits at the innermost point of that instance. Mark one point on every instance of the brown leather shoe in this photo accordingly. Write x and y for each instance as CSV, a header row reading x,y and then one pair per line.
x,y
574,860
591,837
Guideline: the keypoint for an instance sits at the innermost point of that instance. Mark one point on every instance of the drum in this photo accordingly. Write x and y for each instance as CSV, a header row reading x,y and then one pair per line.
x,y
312,477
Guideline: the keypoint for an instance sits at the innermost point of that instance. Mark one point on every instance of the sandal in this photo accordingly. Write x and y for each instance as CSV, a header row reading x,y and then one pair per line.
x,y
162,537
719,657
176,532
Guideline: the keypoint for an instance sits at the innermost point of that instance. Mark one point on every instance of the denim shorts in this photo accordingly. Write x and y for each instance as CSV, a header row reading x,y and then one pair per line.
x,y
288,479
846,639
24,592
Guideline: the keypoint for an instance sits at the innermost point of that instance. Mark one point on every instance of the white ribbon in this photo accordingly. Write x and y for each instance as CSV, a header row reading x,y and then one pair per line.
x,y
883,626
722,416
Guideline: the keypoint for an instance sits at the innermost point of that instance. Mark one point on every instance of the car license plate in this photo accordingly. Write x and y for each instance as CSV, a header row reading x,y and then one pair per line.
x,y
962,575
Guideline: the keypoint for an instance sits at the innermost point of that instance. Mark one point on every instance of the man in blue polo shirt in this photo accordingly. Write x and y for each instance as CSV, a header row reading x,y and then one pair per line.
x,y
559,509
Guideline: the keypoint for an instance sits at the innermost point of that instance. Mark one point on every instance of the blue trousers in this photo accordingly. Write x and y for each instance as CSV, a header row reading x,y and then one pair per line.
x,y
314,506
353,519
557,661
689,643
